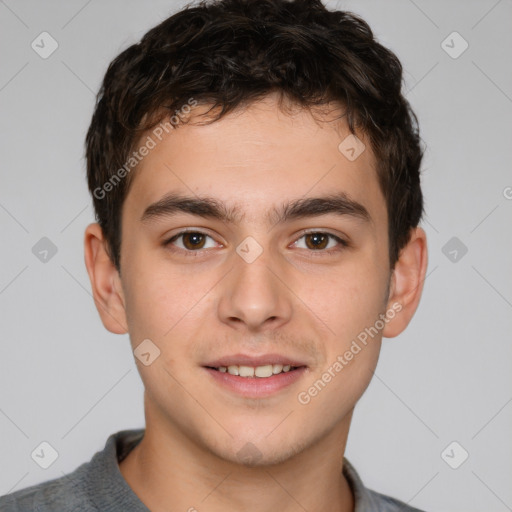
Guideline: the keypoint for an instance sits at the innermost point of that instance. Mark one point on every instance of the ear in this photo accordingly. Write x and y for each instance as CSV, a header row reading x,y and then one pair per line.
x,y
105,281
407,283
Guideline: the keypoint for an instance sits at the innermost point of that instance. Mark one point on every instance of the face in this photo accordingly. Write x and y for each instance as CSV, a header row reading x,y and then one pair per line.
x,y
264,276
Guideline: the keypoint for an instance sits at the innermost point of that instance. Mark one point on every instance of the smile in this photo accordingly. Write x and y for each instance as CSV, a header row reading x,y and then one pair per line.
x,y
255,382
264,371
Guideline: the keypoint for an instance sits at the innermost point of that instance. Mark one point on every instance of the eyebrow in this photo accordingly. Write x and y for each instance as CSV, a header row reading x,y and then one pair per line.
x,y
209,207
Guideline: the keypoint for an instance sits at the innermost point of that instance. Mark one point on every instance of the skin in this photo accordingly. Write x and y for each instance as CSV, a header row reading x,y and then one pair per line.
x,y
290,301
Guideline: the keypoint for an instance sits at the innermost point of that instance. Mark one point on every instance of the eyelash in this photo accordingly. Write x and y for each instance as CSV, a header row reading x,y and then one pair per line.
x,y
313,253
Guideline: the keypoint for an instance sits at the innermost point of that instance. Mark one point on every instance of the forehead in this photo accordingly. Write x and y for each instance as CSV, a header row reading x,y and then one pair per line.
x,y
256,157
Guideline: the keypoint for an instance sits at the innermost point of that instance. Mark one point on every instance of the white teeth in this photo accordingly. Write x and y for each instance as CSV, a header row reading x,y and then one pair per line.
x,y
277,368
233,370
263,371
255,371
246,371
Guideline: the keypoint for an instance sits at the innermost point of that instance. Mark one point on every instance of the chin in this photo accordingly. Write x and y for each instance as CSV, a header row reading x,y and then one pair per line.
x,y
261,450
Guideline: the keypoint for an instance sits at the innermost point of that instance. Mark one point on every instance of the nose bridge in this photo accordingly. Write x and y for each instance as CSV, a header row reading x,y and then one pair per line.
x,y
252,293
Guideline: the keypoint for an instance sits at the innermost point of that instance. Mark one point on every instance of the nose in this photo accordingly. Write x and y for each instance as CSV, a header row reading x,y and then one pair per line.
x,y
254,296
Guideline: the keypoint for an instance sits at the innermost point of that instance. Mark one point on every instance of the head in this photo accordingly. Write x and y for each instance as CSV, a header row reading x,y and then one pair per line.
x,y
246,108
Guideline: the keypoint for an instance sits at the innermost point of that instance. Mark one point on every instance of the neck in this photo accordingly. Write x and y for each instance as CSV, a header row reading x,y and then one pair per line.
x,y
169,471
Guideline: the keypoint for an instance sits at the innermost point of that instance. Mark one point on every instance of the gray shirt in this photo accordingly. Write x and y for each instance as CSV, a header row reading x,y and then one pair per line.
x,y
98,485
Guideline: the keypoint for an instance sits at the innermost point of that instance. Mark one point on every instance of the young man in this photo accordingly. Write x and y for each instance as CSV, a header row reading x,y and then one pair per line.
x,y
255,174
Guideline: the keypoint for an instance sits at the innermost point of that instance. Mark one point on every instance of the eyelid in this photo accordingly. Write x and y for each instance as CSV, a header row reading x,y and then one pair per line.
x,y
342,241
201,231
324,231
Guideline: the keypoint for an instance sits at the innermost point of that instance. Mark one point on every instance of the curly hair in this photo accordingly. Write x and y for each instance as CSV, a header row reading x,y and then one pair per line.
x,y
229,53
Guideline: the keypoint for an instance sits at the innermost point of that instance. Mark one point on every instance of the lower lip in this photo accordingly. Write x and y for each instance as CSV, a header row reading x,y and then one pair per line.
x,y
256,387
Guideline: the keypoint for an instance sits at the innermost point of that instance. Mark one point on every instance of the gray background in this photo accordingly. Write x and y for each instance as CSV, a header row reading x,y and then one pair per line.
x,y
64,379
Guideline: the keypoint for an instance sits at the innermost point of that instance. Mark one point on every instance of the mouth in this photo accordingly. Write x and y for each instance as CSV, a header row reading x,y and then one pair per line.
x,y
261,372
255,377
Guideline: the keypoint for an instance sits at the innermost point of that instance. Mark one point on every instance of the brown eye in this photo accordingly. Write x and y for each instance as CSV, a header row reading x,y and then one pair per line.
x,y
316,240
193,240
320,242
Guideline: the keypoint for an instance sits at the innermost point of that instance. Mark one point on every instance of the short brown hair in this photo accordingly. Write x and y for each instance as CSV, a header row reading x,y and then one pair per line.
x,y
229,53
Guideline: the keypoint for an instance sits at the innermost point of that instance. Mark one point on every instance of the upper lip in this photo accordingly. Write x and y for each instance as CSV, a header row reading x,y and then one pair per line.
x,y
247,360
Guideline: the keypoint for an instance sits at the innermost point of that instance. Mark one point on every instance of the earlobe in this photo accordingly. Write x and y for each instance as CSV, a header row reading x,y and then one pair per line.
x,y
407,283
105,281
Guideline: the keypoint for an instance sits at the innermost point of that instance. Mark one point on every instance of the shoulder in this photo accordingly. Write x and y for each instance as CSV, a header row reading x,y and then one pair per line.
x,y
383,503
94,485
65,493
368,500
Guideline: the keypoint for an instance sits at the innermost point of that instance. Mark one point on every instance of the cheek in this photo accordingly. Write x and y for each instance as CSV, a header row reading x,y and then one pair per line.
x,y
154,302
165,302
347,299
349,305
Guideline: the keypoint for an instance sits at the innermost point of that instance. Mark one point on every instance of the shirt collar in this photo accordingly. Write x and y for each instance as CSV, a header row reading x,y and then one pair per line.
x,y
121,443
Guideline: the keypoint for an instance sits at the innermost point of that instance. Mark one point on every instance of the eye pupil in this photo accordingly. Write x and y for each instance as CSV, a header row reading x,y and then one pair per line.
x,y
319,240
316,241
193,240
